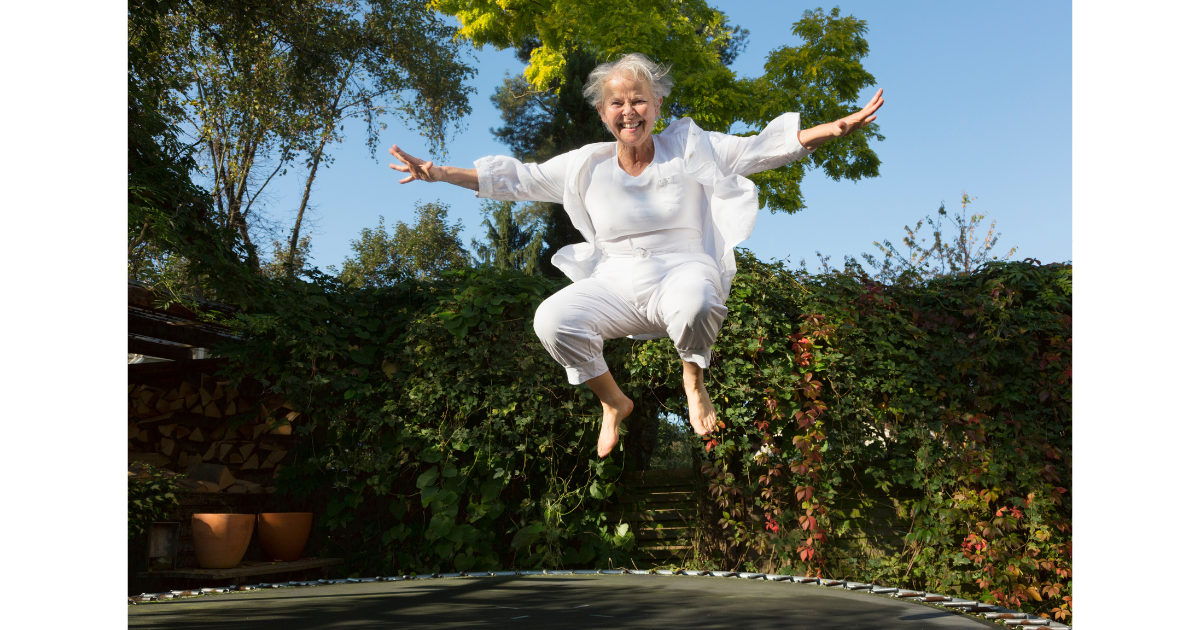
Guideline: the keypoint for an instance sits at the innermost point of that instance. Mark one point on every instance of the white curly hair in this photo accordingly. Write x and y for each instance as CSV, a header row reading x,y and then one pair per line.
x,y
637,65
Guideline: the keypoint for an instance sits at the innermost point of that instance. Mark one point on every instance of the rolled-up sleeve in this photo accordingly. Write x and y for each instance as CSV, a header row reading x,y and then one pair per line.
x,y
508,179
776,145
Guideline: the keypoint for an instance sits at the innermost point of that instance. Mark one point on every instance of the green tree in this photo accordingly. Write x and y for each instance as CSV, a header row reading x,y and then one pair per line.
x,y
264,84
174,240
421,251
514,239
821,78
286,262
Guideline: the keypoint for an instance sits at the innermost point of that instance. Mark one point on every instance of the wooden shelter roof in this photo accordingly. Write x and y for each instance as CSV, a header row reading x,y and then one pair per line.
x,y
166,330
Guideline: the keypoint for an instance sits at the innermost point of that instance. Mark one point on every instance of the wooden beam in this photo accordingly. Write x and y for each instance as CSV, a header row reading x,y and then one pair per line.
x,y
190,335
160,350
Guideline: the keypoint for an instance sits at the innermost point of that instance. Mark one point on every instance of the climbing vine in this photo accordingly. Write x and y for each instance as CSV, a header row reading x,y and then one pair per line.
x,y
439,435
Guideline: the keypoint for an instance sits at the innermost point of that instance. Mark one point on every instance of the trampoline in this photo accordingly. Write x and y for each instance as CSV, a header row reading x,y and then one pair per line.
x,y
553,601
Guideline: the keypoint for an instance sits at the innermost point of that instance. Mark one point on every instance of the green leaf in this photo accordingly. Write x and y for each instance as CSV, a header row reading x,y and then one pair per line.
x,y
528,535
389,368
363,355
427,477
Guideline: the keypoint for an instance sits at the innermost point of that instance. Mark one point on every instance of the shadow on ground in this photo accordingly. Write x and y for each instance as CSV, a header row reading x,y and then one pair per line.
x,y
583,601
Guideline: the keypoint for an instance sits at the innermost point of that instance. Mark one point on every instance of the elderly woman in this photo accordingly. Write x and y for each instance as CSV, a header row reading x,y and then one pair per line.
x,y
661,215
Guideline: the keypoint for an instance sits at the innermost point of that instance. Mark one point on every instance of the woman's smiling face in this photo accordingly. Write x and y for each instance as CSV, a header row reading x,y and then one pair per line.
x,y
629,109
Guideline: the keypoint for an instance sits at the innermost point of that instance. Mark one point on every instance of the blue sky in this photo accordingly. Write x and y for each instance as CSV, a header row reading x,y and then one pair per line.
x,y
978,100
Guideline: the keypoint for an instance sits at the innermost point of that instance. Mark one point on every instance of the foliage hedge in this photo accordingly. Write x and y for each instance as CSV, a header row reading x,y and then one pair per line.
x,y
441,436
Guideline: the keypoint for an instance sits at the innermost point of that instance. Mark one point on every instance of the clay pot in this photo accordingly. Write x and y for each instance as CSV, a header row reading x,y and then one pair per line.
x,y
221,539
282,535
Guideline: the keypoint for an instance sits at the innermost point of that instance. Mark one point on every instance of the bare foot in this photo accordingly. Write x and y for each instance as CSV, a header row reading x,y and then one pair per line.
x,y
610,429
700,410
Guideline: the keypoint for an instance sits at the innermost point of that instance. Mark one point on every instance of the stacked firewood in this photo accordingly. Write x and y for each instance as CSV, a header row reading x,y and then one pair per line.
x,y
210,425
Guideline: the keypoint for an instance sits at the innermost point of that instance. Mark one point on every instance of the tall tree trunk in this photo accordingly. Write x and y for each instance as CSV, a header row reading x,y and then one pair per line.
x,y
312,174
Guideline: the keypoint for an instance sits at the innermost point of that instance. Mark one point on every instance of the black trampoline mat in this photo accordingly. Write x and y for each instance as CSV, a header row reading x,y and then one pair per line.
x,y
550,601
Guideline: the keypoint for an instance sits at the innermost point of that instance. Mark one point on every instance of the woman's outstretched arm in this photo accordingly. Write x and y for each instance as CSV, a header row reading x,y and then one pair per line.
x,y
427,171
814,137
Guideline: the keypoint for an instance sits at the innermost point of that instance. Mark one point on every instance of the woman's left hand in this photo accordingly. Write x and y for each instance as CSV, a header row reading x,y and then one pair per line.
x,y
861,118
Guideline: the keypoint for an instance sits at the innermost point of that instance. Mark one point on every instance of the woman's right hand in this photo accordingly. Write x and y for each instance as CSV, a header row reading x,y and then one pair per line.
x,y
423,170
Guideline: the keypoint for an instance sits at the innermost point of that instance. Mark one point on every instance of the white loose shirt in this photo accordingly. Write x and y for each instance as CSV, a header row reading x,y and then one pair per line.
x,y
717,162
662,197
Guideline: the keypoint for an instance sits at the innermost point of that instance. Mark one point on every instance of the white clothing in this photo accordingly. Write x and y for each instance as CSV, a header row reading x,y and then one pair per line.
x,y
718,162
662,197
642,271
634,291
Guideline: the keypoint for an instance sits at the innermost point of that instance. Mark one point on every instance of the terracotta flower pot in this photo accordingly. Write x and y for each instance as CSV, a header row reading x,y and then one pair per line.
x,y
221,539
282,535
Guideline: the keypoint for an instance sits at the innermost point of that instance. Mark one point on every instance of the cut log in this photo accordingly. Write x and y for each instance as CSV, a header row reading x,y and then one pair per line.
x,y
186,389
143,435
236,458
243,405
197,409
133,430
246,449
212,473
162,406
166,446
231,408
178,404
251,463
168,430
224,450
275,456
212,411
247,486
157,421
283,429
236,489
258,430
273,442
182,432
247,431
219,392
291,417
217,433
193,400
205,397
231,393
210,453
196,436
191,485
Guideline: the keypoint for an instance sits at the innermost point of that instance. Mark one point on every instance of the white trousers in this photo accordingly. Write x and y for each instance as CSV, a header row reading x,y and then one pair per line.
x,y
634,291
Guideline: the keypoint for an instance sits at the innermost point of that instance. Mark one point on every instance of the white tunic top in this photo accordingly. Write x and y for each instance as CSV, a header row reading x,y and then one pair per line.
x,y
662,197
717,162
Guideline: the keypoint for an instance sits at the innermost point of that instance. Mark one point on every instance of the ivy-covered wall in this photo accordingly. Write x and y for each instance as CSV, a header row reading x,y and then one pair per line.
x,y
441,436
